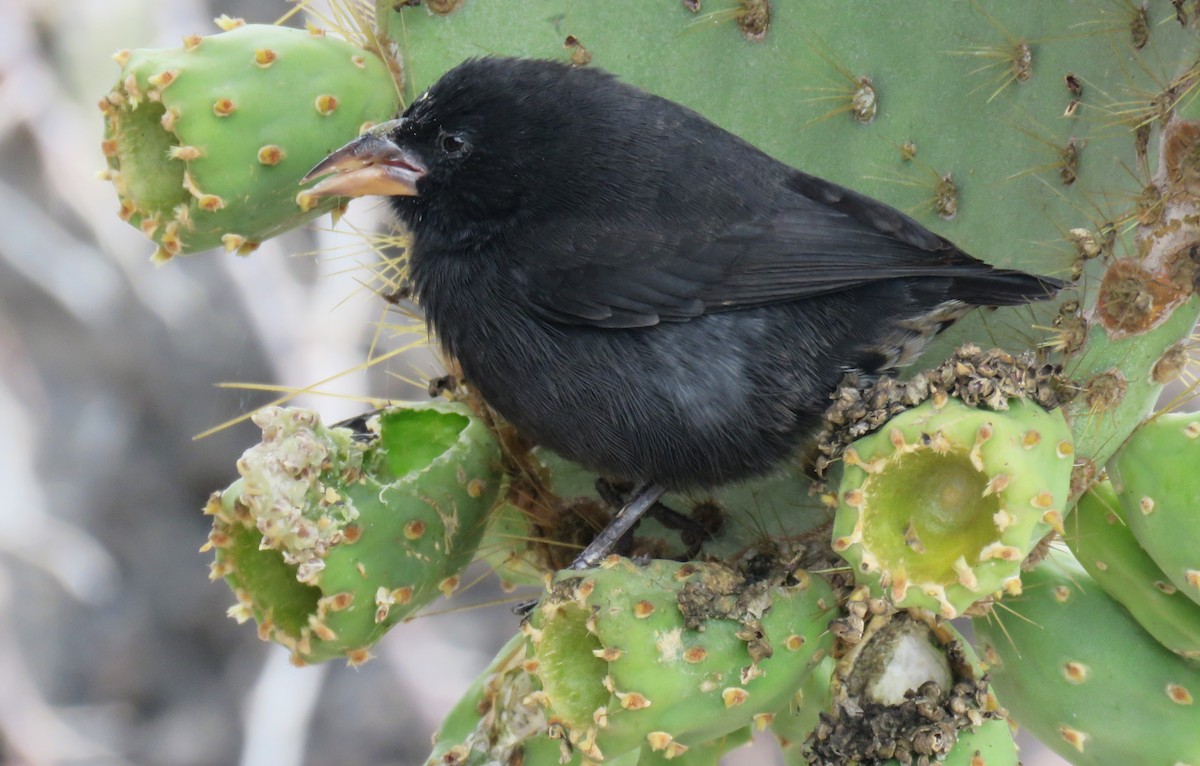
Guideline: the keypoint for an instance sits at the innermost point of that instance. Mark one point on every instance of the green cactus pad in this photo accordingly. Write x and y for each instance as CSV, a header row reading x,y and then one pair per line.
x,y
1074,668
939,507
673,655
1157,476
1103,543
329,538
207,143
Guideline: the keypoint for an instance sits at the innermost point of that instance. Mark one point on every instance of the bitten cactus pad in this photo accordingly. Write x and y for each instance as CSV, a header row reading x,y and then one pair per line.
x,y
207,143
672,655
939,507
330,538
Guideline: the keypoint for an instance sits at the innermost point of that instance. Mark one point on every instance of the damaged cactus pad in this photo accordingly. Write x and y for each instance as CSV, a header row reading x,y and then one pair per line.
x,y
206,144
669,656
938,508
331,537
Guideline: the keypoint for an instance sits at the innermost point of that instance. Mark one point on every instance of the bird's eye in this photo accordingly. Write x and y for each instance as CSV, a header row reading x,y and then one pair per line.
x,y
452,143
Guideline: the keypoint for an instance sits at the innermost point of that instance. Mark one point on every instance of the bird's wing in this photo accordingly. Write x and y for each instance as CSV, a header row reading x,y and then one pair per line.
x,y
820,238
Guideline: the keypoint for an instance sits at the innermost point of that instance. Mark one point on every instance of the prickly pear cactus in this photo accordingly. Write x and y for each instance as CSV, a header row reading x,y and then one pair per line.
x,y
1059,138
206,144
330,537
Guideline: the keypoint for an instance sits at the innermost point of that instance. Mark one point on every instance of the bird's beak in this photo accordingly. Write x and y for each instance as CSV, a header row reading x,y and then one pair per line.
x,y
372,164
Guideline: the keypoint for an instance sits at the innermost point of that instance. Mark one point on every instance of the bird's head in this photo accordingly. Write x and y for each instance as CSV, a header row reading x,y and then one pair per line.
x,y
493,141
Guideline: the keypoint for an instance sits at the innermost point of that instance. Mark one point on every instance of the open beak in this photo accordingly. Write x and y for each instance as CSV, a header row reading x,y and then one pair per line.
x,y
371,164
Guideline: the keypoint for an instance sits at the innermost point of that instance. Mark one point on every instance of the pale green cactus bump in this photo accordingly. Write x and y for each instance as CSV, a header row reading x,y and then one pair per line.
x,y
1157,476
330,538
207,143
939,508
1103,543
669,655
1073,667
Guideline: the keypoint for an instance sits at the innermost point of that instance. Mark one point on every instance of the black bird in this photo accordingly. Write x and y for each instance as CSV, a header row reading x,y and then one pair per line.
x,y
640,290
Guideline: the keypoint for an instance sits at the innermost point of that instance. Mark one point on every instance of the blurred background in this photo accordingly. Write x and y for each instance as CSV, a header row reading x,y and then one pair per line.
x,y
114,646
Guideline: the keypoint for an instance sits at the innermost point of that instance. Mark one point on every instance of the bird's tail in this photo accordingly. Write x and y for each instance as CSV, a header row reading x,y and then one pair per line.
x,y
1003,287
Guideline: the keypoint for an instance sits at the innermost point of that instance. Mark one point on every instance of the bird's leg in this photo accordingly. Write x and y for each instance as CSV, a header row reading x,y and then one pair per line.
x,y
641,500
691,533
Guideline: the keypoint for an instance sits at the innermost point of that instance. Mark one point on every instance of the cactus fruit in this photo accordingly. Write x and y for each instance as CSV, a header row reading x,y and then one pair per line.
x,y
1103,543
672,655
1074,668
329,538
1155,475
909,689
939,508
207,143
